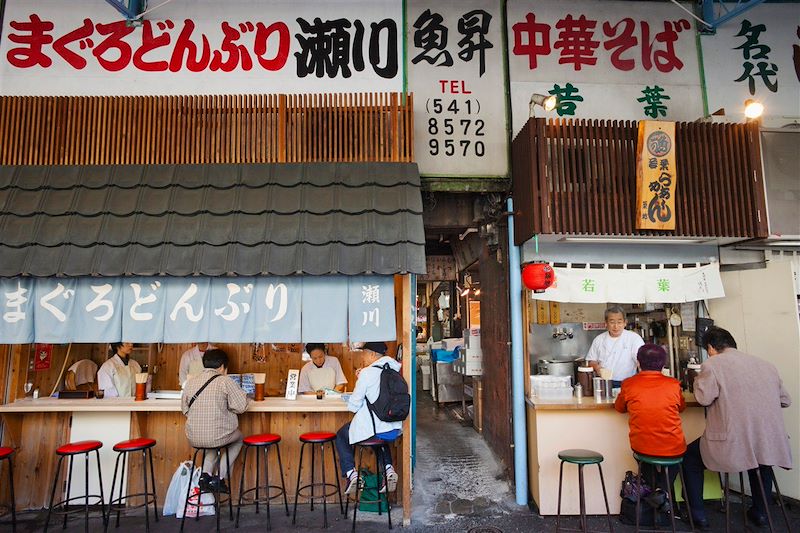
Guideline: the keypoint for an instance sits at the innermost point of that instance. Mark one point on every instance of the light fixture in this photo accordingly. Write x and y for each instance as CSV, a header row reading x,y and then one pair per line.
x,y
631,240
546,102
465,291
753,109
477,292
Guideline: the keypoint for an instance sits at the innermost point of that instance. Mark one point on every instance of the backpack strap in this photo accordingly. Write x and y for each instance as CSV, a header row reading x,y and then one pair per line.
x,y
369,404
201,389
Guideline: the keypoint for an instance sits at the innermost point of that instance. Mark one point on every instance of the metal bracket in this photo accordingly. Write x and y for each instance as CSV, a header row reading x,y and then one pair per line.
x,y
130,9
726,13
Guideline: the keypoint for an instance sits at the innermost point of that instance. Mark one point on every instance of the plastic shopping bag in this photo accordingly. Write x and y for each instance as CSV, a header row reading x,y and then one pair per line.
x,y
176,493
206,504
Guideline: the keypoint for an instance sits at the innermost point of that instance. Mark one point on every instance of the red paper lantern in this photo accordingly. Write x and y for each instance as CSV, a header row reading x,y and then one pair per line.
x,y
538,276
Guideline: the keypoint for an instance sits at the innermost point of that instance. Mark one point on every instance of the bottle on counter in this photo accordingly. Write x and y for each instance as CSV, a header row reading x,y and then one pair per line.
x,y
692,370
579,392
585,376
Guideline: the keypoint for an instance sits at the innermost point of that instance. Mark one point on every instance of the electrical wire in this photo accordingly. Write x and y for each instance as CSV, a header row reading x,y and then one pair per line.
x,y
698,19
146,11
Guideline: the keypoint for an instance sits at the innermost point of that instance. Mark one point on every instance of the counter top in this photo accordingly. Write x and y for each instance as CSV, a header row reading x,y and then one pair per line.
x,y
269,405
588,402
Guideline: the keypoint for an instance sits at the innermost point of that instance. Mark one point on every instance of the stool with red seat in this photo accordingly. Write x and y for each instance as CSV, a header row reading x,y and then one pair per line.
x,y
70,450
261,442
123,448
5,455
322,438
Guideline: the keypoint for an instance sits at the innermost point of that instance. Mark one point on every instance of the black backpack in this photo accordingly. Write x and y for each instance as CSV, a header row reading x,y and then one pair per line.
x,y
394,402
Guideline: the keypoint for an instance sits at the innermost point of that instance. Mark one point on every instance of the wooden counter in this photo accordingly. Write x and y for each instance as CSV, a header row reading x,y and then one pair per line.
x,y
587,402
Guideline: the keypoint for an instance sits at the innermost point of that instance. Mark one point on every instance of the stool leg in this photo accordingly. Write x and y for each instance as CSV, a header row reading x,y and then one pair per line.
x,y
378,471
144,479
266,482
382,465
774,480
153,481
230,478
14,510
605,498
338,486
113,484
217,506
582,500
558,512
313,467
69,487
258,471
121,488
241,485
86,492
53,493
358,486
100,480
324,491
188,490
686,497
200,492
283,485
726,495
297,490
638,492
669,499
763,497
744,506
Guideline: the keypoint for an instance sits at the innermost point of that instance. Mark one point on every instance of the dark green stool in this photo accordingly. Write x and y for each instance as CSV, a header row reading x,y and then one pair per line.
x,y
665,463
581,458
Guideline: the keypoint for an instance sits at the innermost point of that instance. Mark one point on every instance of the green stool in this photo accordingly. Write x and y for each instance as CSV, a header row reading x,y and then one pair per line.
x,y
581,458
665,463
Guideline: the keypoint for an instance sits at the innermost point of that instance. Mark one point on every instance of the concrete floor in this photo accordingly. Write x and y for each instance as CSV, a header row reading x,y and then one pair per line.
x,y
459,487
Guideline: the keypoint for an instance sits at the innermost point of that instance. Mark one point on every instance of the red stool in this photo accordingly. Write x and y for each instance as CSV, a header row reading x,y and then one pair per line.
x,y
123,449
322,438
262,442
5,455
71,450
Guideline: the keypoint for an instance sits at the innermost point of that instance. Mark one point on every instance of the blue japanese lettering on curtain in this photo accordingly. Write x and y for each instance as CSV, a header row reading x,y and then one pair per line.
x,y
324,309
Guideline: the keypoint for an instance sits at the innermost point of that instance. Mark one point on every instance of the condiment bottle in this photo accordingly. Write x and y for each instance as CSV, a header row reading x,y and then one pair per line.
x,y
585,375
579,392
692,370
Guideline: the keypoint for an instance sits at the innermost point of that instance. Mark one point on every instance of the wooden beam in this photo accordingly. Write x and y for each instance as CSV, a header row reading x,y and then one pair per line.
x,y
407,370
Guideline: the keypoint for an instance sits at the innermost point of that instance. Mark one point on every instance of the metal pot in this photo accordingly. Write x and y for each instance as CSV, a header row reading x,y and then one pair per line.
x,y
552,367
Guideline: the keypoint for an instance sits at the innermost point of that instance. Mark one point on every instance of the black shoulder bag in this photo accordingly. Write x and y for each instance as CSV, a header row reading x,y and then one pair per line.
x,y
201,389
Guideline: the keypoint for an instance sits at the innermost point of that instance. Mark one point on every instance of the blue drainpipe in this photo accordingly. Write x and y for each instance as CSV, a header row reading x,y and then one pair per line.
x,y
518,371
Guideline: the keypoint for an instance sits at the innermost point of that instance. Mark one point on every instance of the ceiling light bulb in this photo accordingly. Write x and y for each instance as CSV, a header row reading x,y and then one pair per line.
x,y
465,292
753,109
477,292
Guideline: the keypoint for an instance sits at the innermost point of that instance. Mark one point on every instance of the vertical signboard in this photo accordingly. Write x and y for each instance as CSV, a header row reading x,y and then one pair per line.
x,y
455,70
609,59
655,176
756,56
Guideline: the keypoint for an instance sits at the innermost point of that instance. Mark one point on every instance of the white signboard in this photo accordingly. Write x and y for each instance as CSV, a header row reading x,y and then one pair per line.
x,y
455,70
609,59
292,380
756,56
53,47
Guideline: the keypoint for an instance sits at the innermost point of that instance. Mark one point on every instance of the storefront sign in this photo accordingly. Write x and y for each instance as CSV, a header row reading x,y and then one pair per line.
x,y
44,355
455,70
755,56
174,310
618,60
52,47
634,285
656,176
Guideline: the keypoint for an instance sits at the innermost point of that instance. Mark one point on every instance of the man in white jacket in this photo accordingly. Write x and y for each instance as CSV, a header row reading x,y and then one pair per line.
x,y
361,427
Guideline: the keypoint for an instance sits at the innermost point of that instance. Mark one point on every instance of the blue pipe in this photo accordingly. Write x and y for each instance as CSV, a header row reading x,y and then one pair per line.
x,y
413,362
518,371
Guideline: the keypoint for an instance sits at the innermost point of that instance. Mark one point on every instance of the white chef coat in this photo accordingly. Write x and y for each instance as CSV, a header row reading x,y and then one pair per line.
x,y
191,363
85,371
616,353
114,373
304,385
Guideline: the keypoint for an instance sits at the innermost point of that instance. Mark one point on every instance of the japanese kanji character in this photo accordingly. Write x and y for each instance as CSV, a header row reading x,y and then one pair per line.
x,y
652,99
45,300
183,304
99,302
14,301
567,98
370,294
658,209
474,26
389,70
575,41
233,314
260,47
34,38
430,35
116,32
184,46
282,292
665,60
527,39
654,186
663,164
372,316
765,71
324,48
652,163
83,36
751,48
237,54
139,301
149,43
621,40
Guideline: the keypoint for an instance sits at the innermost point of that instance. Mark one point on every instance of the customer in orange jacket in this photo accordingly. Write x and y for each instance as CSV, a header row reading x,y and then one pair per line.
x,y
653,402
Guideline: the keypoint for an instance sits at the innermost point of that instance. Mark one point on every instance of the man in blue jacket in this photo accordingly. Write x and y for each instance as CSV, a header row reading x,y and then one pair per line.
x,y
364,424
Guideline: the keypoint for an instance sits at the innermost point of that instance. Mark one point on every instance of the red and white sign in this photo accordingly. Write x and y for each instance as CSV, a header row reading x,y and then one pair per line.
x,y
44,356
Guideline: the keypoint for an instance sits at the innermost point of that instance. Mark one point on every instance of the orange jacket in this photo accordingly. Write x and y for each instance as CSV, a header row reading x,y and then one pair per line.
x,y
653,403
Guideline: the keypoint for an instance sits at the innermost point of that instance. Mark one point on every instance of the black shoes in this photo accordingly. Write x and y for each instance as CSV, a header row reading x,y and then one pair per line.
x,y
757,518
210,483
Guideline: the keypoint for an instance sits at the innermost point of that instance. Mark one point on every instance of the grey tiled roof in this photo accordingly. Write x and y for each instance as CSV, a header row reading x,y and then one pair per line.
x,y
214,220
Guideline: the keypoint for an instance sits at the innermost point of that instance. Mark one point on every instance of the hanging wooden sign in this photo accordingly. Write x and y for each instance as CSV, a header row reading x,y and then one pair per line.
x,y
656,177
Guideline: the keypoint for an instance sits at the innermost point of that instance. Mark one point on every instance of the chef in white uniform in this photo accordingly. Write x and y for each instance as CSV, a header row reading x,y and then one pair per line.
x,y
322,372
192,361
616,348
117,375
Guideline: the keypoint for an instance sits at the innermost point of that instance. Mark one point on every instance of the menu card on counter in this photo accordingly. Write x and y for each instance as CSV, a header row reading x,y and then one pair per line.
x,y
291,384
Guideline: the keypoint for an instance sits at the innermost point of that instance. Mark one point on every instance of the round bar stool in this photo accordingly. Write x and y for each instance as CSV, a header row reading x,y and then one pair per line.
x,y
664,463
322,438
71,450
763,499
123,448
215,492
374,444
581,458
261,443
5,455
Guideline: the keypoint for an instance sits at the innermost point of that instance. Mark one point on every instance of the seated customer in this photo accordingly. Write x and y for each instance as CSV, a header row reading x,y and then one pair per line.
x,y
653,402
364,424
322,372
211,402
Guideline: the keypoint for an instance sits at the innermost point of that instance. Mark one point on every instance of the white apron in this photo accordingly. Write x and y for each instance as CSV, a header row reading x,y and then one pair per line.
x,y
321,378
124,381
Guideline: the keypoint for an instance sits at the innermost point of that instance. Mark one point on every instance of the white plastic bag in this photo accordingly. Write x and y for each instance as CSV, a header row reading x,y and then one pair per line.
x,y
206,507
176,493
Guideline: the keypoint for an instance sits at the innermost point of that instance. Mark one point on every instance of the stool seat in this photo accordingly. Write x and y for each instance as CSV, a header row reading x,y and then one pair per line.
x,y
134,445
262,440
656,460
318,436
580,457
83,446
5,452
374,441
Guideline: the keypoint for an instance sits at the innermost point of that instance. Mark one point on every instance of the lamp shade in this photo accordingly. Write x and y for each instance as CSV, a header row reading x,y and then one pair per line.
x,y
538,276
